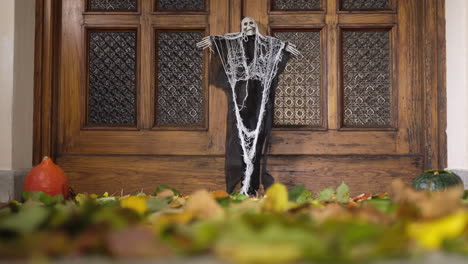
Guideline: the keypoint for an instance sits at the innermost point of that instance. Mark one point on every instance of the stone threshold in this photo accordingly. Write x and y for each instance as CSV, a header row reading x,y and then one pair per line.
x,y
11,184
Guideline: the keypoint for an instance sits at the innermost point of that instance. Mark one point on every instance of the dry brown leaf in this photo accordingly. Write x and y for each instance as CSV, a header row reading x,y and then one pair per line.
x,y
370,214
166,193
330,211
220,194
136,242
203,205
430,204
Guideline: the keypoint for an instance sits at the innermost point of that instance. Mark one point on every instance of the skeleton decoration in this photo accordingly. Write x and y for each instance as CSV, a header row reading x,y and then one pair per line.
x,y
250,62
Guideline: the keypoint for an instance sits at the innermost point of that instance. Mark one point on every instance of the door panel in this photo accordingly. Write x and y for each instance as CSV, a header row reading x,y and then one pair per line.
x,y
133,174
362,173
136,108
161,106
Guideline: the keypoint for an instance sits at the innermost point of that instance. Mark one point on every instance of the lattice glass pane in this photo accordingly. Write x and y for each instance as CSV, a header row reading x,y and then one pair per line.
x,y
296,4
112,71
113,5
298,95
180,5
365,4
366,78
180,99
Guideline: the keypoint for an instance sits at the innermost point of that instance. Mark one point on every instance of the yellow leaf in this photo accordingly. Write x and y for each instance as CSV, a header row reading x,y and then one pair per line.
x,y
162,221
137,203
81,198
432,234
177,202
106,194
276,199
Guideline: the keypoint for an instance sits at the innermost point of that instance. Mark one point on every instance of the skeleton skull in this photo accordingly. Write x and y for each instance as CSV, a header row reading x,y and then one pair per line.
x,y
249,26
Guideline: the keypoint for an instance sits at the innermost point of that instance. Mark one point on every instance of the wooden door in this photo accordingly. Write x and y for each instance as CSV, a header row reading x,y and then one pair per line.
x,y
124,102
350,109
135,105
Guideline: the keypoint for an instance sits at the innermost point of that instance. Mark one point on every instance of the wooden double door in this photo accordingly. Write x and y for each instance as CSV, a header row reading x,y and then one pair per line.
x,y
133,105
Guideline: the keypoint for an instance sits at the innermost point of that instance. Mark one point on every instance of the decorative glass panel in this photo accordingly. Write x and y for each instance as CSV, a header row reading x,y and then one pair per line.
x,y
112,71
296,4
113,5
298,95
366,78
179,79
180,5
365,4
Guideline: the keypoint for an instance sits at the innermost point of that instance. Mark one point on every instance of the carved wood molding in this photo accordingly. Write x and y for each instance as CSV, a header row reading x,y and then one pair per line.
x,y
45,77
433,58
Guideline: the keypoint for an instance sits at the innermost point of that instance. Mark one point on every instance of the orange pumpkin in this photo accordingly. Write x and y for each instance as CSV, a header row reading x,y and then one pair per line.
x,y
48,178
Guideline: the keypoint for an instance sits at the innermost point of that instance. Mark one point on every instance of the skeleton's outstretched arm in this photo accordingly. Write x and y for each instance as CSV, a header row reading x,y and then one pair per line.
x,y
205,43
291,48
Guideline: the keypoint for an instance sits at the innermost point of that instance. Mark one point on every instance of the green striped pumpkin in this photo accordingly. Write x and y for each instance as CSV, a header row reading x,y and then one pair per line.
x,y
437,180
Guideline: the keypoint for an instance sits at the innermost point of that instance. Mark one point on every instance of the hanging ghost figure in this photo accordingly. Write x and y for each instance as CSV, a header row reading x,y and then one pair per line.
x,y
250,63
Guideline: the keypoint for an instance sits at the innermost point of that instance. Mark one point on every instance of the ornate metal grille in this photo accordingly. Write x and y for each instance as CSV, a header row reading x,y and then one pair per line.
x,y
112,71
296,4
365,4
180,98
366,78
112,5
298,95
180,5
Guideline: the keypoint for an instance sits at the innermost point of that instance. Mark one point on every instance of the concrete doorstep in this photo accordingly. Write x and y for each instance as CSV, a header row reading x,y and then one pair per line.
x,y
11,185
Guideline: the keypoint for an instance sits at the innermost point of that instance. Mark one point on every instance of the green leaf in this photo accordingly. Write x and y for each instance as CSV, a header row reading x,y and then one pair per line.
x,y
295,192
107,201
239,197
155,204
383,205
305,196
26,220
299,194
342,193
43,198
326,194
465,195
225,201
161,188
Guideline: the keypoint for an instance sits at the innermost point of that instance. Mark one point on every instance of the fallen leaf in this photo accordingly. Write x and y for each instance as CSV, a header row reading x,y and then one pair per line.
x,y
431,234
326,195
219,194
203,205
430,205
342,193
276,199
137,203
136,242
165,193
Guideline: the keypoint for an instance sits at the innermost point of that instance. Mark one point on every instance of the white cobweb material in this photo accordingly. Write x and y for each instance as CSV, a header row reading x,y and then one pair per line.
x,y
263,67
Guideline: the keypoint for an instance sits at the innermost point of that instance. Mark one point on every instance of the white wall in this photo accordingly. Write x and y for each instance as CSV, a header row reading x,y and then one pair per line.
x,y
23,95
457,83
7,33
17,18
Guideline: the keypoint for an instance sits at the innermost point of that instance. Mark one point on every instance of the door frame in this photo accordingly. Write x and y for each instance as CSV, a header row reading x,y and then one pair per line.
x,y
432,58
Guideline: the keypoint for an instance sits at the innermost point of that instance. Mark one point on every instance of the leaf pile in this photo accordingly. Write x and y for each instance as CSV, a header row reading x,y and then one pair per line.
x,y
280,227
